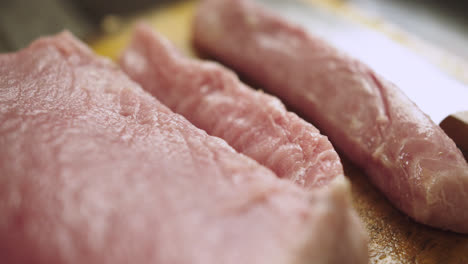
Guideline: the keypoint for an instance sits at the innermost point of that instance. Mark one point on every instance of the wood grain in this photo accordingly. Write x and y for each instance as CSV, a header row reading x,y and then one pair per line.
x,y
394,238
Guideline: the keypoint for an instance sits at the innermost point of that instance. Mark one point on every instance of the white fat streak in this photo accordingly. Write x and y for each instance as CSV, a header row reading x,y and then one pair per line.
x,y
379,153
137,62
299,175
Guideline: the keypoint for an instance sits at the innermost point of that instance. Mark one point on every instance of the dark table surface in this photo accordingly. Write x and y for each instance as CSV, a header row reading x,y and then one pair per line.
x,y
22,21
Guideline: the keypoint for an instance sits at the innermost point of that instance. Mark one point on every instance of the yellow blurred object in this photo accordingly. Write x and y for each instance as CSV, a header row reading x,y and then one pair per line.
x,y
173,21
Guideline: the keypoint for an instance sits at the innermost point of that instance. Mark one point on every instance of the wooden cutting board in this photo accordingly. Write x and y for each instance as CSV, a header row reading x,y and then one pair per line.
x,y
394,238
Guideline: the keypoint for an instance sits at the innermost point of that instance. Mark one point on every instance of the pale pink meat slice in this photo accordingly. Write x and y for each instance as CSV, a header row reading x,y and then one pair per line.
x,y
212,98
406,155
95,170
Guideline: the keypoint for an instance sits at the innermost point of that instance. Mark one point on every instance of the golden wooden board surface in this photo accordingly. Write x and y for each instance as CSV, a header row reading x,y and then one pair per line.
x,y
394,238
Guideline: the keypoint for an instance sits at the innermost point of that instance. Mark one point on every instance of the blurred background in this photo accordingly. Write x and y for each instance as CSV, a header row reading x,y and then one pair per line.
x,y
442,23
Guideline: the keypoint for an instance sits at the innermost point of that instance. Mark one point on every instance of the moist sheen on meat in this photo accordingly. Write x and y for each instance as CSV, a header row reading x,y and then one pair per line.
x,y
95,170
406,155
213,99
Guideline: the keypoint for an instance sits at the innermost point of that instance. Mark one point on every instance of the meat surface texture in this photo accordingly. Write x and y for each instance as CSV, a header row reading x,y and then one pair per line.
x,y
95,170
212,98
406,155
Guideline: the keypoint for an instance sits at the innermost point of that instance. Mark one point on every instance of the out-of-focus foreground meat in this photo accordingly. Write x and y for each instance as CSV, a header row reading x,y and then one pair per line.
x,y
406,155
95,170
213,99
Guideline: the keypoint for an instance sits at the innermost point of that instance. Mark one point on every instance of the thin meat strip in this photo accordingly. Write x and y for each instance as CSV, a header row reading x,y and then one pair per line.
x,y
212,98
95,170
406,155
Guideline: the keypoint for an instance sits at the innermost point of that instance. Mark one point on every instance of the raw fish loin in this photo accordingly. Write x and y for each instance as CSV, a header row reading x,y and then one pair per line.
x,y
213,99
95,170
406,155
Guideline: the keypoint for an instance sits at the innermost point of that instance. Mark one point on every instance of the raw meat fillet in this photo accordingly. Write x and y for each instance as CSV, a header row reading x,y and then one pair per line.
x,y
212,98
406,155
95,170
